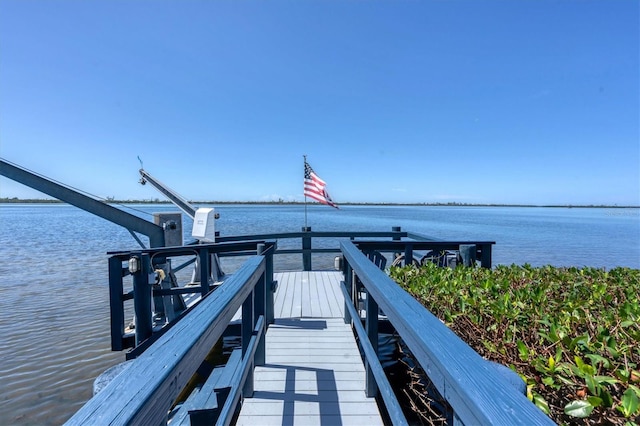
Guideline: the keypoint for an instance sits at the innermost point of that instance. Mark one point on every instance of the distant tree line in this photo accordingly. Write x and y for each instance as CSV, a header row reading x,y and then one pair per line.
x,y
112,200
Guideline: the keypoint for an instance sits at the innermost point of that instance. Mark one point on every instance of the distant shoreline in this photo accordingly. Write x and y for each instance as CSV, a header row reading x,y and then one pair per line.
x,y
452,204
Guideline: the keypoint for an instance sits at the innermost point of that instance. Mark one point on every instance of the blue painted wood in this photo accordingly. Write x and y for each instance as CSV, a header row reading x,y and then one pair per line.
x,y
206,406
373,364
485,259
409,247
371,322
204,263
247,327
260,307
116,288
350,299
270,284
142,300
202,252
242,382
153,382
306,249
468,254
477,394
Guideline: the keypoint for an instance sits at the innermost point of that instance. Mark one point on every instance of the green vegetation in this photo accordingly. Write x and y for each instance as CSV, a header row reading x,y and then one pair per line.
x,y
572,334
15,200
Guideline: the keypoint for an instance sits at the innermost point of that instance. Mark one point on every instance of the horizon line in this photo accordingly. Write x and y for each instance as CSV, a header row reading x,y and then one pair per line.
x,y
15,200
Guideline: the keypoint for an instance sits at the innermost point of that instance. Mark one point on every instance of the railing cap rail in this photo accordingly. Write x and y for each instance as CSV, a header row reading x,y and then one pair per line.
x,y
189,249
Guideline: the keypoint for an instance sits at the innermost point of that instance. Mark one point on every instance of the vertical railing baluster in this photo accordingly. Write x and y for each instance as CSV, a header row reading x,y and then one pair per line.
x,y
270,284
116,290
371,322
348,282
259,308
246,332
485,260
398,238
408,254
142,300
306,249
204,259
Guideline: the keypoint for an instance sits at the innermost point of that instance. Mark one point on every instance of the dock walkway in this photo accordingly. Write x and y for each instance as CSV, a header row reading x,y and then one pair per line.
x,y
313,374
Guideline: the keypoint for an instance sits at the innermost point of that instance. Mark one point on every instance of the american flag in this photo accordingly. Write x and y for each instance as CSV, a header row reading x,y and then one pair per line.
x,y
315,188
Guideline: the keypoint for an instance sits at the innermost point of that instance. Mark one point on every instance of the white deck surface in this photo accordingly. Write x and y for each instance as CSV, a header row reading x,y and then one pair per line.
x,y
313,373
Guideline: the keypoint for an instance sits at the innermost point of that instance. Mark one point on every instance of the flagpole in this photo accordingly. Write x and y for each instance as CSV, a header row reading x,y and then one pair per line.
x,y
305,196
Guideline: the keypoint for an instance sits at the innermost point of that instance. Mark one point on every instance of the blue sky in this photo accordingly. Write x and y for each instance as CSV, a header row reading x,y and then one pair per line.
x,y
479,101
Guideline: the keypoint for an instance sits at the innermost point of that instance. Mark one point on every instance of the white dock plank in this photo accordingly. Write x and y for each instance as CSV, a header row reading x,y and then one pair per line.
x,y
313,374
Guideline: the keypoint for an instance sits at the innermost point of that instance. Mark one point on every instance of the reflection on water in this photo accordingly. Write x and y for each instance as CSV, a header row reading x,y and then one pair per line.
x,y
54,306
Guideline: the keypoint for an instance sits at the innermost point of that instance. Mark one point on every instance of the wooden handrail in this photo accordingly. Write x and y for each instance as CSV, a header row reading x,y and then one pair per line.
x,y
477,394
146,390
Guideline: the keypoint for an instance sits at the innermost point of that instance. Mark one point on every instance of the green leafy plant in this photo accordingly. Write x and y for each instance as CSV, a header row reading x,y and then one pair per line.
x,y
573,334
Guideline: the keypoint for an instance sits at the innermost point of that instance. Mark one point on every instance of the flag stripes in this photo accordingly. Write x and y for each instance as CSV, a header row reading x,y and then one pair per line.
x,y
315,188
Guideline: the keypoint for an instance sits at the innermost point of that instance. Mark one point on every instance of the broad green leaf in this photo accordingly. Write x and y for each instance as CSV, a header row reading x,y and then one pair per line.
x,y
587,369
607,399
597,359
606,379
595,401
522,350
629,403
592,385
541,403
635,389
548,381
579,409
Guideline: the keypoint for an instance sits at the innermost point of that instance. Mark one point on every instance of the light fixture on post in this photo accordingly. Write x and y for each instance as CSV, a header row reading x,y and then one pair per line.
x,y
134,264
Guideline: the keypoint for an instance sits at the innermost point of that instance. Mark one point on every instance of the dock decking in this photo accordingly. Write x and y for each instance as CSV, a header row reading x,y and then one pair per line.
x,y
313,374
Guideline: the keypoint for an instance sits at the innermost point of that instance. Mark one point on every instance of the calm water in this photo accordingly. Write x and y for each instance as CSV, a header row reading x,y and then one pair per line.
x,y
54,309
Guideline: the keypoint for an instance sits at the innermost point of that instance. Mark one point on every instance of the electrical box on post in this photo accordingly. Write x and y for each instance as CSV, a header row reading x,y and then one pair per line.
x,y
172,225
204,227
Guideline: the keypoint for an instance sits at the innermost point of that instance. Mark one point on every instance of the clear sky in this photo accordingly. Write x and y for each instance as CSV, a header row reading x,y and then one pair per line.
x,y
472,101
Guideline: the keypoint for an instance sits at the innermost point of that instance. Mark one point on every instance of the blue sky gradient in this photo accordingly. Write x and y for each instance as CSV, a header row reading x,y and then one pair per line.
x,y
524,102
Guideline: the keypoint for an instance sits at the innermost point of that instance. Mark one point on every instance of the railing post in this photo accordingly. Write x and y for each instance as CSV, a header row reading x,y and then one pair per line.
x,y
204,258
306,249
371,322
485,260
247,332
348,283
260,308
142,300
116,289
408,255
270,285
468,254
396,229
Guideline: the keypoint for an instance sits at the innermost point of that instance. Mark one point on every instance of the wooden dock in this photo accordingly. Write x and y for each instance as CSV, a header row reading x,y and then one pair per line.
x,y
313,374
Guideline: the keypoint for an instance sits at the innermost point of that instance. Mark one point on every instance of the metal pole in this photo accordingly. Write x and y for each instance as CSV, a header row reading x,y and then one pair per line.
x,y
305,194
91,205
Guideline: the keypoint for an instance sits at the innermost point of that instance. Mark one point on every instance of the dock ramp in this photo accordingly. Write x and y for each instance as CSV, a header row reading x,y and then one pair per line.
x,y
314,374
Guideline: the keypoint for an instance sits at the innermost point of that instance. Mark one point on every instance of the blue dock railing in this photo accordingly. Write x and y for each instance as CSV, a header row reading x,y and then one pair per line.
x,y
152,382
470,384
144,292
166,360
